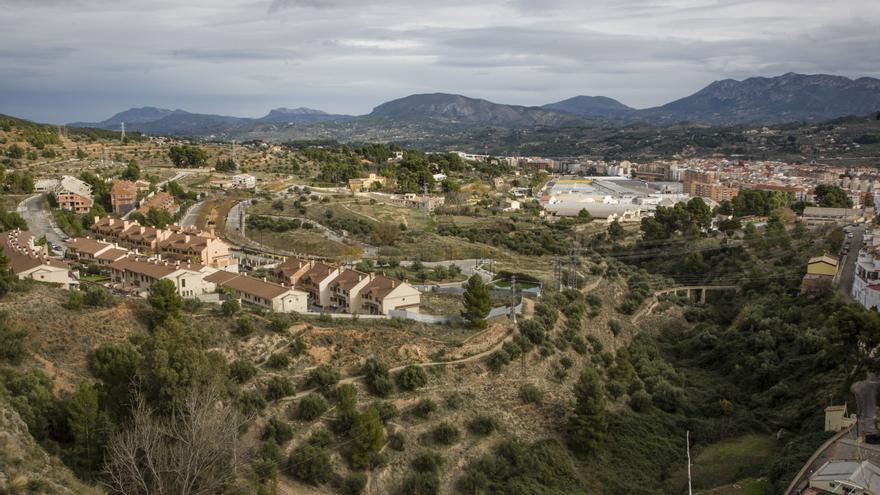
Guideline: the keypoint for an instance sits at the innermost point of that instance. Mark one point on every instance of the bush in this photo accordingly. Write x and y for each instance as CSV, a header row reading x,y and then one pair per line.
x,y
278,387
245,326
424,408
311,407
566,362
396,441
531,394
270,450
264,469
376,375
251,403
412,377
12,344
75,300
533,330
615,327
278,361
386,410
498,360
242,371
482,425
277,430
97,296
640,401
298,347
354,484
445,434
310,464
278,322
321,438
427,462
323,378
421,484
230,307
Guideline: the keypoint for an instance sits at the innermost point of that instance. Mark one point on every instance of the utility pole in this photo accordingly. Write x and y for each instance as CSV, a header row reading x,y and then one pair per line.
x,y
513,298
688,443
122,137
233,153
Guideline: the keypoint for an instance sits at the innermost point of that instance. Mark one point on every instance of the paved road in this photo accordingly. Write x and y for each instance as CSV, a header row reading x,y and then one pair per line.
x,y
192,214
865,392
35,211
848,271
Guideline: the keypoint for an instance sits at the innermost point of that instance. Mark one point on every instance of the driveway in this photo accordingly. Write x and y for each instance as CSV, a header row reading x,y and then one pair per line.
x,y
35,211
192,214
865,393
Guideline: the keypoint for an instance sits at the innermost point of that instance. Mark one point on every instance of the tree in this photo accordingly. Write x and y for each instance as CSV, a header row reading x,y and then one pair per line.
x,y
412,377
116,366
132,171
310,464
385,233
831,196
12,342
187,156
477,303
230,307
165,301
615,231
158,217
7,278
584,216
225,165
346,408
368,436
192,451
311,407
97,296
90,428
376,375
589,424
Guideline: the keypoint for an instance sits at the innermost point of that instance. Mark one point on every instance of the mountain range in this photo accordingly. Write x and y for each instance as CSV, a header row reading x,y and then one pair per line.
x,y
787,98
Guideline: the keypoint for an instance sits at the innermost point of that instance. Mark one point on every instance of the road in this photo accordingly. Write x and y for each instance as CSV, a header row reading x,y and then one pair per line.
x,y
865,392
35,211
848,271
192,214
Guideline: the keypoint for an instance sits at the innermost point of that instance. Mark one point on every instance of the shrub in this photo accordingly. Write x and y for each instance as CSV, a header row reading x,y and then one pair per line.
x,y
75,300
533,330
97,296
264,469
386,410
311,407
310,464
278,322
230,307
412,377
376,375
427,462
421,484
615,327
323,378
270,450
298,347
245,326
321,438
242,371
278,387
354,484
424,408
278,361
12,344
278,430
251,403
454,401
445,434
640,401
566,362
482,425
498,360
531,394
396,441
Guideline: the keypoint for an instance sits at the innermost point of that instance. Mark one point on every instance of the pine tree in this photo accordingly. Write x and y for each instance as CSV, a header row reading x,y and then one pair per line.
x,y
165,301
90,428
476,302
368,436
589,424
7,279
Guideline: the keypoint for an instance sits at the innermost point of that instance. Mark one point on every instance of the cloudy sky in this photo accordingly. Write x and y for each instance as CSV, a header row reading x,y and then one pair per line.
x,y
67,60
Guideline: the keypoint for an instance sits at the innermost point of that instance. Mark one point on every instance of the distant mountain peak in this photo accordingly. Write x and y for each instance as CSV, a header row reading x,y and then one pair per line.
x,y
591,106
296,111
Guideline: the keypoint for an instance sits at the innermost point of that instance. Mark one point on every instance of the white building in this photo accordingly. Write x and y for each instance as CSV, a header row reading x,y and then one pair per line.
x,y
244,181
276,297
138,275
849,477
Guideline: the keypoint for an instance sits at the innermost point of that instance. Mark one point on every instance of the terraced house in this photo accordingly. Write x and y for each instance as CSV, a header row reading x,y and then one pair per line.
x,y
316,282
137,275
345,291
29,261
276,297
174,242
384,294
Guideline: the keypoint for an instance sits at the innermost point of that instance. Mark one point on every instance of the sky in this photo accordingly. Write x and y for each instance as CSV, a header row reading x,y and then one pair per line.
x,y
84,60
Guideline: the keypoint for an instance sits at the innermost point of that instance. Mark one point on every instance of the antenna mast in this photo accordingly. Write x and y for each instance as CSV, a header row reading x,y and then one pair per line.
x,y
122,137
688,442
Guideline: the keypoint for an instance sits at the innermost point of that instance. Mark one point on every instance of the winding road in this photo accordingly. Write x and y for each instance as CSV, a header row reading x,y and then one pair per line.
x,y
35,211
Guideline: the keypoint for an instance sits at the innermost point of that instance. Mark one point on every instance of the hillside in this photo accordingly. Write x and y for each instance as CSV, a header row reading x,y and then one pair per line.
x,y
463,110
787,98
593,107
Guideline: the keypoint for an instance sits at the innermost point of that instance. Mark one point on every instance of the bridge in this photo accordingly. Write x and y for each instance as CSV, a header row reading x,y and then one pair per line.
x,y
691,291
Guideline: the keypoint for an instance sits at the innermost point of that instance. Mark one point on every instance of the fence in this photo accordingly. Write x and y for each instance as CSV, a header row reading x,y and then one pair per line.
x,y
446,319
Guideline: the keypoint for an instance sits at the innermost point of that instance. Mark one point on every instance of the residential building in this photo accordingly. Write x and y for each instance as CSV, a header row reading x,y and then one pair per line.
x,y
123,196
137,275
419,201
73,195
28,261
276,297
159,201
848,477
366,183
175,242
316,282
291,270
244,181
837,418
345,291
383,295
821,272
815,215
88,250
45,185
